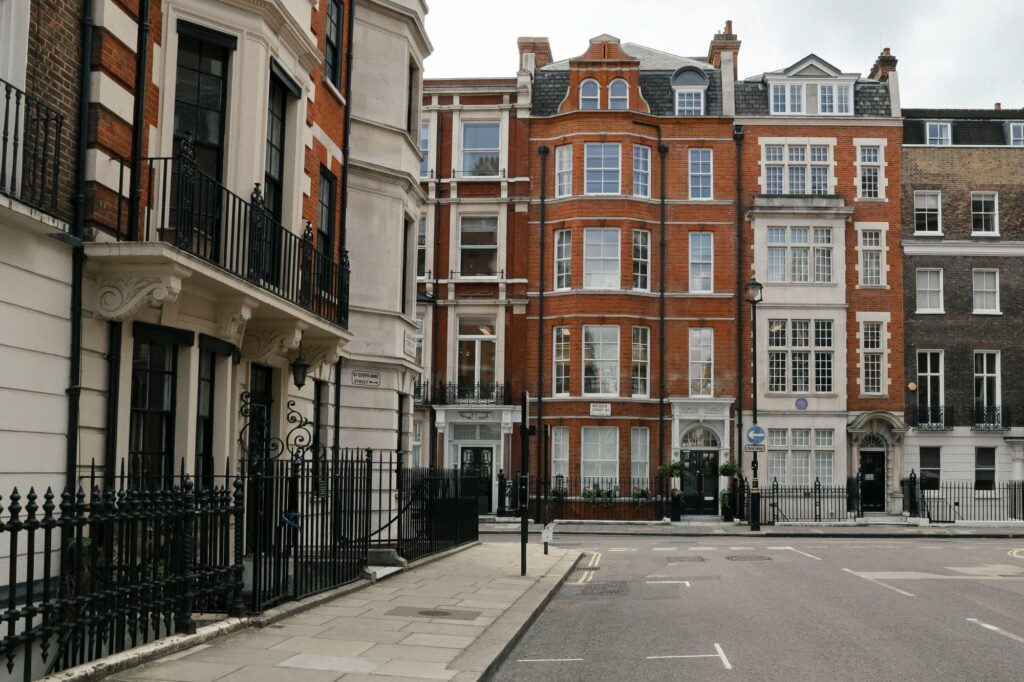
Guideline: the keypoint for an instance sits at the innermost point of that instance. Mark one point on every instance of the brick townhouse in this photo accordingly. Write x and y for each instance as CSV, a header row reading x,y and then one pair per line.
x,y
821,207
963,239
227,144
471,269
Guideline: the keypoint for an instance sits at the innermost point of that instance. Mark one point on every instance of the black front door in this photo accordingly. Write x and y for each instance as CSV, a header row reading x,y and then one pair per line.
x,y
872,487
479,461
700,482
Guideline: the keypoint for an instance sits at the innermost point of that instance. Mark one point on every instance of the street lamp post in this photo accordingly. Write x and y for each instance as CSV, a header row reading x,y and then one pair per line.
x,y
753,296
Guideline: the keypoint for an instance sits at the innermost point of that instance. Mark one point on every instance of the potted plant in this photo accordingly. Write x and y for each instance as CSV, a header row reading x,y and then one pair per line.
x,y
725,501
677,504
728,469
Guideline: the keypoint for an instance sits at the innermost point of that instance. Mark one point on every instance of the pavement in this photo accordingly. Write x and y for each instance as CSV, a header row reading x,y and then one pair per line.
x,y
728,608
447,620
711,529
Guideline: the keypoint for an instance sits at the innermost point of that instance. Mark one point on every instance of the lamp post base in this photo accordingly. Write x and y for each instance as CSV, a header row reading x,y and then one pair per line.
x,y
755,509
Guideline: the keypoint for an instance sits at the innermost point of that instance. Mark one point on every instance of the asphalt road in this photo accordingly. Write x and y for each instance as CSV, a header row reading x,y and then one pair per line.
x,y
780,609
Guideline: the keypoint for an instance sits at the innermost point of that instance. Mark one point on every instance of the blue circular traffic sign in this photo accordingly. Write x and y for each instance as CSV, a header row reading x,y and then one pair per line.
x,y
755,434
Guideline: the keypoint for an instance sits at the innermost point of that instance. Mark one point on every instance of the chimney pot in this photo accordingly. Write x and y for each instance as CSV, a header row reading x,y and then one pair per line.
x,y
728,26
999,106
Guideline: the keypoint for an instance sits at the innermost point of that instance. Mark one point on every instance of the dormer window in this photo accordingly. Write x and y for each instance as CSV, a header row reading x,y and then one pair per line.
x,y
834,99
787,98
938,133
618,94
590,95
1017,134
689,85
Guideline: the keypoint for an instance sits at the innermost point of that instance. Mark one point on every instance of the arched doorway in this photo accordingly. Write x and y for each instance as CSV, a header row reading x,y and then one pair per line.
x,y
873,449
698,454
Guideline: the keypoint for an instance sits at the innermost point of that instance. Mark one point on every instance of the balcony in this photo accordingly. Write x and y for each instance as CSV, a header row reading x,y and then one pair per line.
x,y
30,149
443,393
990,418
932,418
183,206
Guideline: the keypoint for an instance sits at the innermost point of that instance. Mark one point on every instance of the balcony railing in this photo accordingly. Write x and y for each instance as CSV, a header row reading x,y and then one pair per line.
x,y
444,393
181,204
932,418
30,149
990,418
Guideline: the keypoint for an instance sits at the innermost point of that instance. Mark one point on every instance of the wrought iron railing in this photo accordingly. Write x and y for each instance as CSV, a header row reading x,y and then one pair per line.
x,y
781,503
932,417
453,393
30,149
952,501
181,204
990,418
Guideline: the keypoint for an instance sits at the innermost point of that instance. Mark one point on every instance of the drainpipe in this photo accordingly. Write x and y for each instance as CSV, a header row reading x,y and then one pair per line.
x,y
543,152
343,210
138,116
737,136
435,322
78,253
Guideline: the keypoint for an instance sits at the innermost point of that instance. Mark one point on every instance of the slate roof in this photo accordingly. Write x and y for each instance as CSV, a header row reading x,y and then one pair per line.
x,y
870,98
650,60
549,89
975,114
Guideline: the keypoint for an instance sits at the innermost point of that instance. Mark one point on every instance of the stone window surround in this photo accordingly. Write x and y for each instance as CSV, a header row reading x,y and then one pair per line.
x,y
476,311
455,230
483,114
830,142
859,228
882,165
885,318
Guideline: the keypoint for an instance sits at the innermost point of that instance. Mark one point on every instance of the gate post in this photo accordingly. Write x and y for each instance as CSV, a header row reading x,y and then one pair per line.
x,y
501,492
399,487
817,499
183,621
237,608
860,494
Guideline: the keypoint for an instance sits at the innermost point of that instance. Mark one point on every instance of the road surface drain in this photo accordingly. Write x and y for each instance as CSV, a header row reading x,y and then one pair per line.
x,y
611,588
448,614
589,568
749,557
676,559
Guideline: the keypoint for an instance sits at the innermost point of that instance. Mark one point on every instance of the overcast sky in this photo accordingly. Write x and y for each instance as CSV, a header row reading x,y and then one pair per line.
x,y
952,53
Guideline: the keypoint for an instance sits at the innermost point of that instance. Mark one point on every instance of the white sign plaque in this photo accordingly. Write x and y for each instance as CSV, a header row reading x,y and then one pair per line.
x,y
600,409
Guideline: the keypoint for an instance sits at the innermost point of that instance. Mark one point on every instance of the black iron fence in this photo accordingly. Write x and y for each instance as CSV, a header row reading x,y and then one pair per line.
x,y
106,567
30,149
183,205
990,418
782,503
437,511
952,501
932,417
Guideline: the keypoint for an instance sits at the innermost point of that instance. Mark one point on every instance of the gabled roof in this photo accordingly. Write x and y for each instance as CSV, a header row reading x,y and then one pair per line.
x,y
812,63
650,60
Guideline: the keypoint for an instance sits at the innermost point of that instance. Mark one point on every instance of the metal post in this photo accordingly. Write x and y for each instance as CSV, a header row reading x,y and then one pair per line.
x,y
524,469
184,623
755,490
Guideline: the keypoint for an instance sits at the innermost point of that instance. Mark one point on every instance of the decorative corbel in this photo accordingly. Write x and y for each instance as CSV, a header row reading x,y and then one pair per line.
x,y
121,296
265,344
232,316
322,352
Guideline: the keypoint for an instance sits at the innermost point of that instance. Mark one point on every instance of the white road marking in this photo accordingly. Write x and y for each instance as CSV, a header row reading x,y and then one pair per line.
x,y
993,628
665,549
702,549
739,548
810,556
721,654
718,531
669,582
656,658
549,660
879,582
623,549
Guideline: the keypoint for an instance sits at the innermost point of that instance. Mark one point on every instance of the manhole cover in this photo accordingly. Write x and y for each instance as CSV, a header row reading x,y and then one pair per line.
x,y
749,557
605,589
677,559
435,614
588,568
415,612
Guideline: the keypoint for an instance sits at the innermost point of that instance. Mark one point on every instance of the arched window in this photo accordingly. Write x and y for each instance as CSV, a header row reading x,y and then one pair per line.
x,y
700,437
618,94
590,95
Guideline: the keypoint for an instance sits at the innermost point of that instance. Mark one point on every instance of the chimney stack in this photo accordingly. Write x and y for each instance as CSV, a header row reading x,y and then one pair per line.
x,y
884,65
539,47
999,106
725,41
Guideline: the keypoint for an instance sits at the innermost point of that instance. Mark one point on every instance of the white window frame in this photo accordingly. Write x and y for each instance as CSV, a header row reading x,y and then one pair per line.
x,y
814,447
984,292
696,172
701,355
872,351
421,245
561,365
699,262
425,148
640,366
563,171
641,277
688,111
794,99
995,213
861,145
615,281
463,172
481,247
930,376
997,377
839,90
563,260
478,341
612,97
864,249
602,169
943,136
607,386
917,292
1015,133
642,171
640,456
560,453
926,210
587,98
417,442
819,250
599,435
779,155
811,351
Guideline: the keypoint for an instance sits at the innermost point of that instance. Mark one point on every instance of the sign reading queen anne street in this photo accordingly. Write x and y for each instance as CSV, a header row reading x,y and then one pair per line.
x,y
364,378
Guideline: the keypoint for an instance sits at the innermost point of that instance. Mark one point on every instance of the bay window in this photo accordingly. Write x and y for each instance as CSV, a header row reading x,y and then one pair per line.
x,y
600,360
601,258
599,455
601,167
